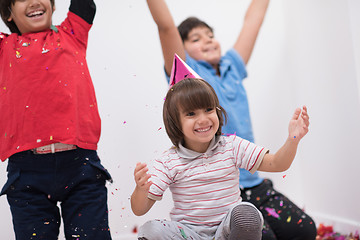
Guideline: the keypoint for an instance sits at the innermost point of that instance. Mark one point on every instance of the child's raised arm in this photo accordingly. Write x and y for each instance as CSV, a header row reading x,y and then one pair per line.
x,y
170,39
254,17
140,203
84,8
282,159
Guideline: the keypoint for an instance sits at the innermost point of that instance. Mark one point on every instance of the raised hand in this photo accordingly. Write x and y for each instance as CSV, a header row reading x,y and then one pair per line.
x,y
299,124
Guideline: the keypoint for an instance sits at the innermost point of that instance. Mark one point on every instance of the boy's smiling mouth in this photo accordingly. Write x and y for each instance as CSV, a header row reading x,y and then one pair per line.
x,y
36,13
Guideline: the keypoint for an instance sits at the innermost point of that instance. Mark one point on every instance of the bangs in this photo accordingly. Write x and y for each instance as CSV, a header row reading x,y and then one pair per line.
x,y
197,96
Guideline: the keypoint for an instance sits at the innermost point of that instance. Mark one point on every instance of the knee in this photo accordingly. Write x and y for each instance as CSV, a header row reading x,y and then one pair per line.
x,y
246,222
246,217
151,230
302,230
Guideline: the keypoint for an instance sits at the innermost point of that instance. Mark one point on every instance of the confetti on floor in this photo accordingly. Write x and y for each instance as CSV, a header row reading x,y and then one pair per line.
x,y
327,233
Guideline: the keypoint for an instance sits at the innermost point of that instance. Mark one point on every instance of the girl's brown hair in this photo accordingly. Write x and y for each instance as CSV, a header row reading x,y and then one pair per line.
x,y
5,12
188,95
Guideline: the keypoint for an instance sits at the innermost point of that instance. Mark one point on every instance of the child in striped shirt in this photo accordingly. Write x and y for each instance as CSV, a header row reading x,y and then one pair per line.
x,y
202,169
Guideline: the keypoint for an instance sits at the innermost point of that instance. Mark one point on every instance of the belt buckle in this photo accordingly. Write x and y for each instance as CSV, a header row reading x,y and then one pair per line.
x,y
52,148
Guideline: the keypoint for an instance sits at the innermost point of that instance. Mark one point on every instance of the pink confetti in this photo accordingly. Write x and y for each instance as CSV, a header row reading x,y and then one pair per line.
x,y
272,212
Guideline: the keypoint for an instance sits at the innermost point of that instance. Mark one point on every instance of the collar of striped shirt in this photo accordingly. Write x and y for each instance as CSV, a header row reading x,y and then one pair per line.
x,y
190,154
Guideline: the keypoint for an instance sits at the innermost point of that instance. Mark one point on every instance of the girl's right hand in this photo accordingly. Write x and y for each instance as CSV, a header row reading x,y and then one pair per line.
x,y
142,177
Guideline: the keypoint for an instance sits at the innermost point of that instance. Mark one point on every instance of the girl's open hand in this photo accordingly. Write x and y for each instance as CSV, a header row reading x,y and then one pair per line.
x,y
299,124
142,177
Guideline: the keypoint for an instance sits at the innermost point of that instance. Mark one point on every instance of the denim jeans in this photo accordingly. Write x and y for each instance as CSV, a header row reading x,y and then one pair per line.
x,y
75,179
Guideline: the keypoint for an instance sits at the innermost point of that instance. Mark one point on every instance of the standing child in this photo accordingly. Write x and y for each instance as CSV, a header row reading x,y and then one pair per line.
x,y
202,170
49,123
194,42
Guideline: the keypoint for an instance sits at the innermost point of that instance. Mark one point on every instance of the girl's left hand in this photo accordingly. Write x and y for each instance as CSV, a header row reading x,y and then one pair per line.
x,y
299,124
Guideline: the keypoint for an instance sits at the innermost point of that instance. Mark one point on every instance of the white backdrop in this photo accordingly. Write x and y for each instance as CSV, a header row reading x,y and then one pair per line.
x,y
307,52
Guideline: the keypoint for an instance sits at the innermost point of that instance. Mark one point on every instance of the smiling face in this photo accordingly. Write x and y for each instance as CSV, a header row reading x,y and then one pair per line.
x,y
201,45
199,127
31,15
192,114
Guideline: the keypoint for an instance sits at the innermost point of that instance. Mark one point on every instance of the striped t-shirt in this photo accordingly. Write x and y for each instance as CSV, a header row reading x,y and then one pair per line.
x,y
204,186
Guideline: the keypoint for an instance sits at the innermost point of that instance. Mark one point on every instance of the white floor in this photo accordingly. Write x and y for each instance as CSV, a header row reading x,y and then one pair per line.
x,y
125,237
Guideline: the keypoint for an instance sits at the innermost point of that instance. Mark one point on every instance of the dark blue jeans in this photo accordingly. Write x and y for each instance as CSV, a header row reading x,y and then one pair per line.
x,y
75,178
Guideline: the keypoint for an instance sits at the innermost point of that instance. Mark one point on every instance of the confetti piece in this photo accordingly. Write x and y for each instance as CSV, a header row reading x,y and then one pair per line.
x,y
182,232
284,176
159,129
288,219
45,50
272,212
18,55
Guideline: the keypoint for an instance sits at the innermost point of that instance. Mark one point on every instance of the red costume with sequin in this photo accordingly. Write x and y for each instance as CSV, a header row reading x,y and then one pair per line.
x,y
46,92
